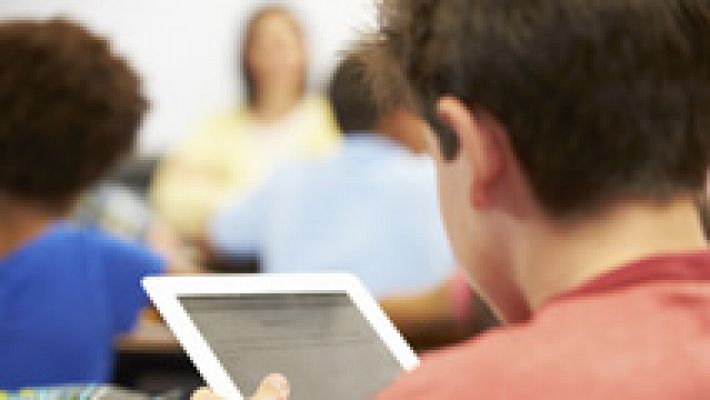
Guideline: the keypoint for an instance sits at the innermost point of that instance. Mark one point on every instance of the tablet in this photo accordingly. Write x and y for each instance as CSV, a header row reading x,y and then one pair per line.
x,y
324,332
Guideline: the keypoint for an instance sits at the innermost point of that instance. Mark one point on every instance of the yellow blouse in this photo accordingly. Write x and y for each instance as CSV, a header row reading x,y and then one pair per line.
x,y
231,154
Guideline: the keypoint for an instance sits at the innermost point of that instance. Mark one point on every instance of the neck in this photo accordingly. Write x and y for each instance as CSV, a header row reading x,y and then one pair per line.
x,y
21,224
275,102
561,257
403,134
409,142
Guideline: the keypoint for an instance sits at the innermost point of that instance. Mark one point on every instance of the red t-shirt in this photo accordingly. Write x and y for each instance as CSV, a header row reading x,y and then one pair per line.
x,y
639,332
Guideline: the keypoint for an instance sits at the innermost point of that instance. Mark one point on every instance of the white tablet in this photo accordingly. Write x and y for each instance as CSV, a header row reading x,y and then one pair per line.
x,y
324,332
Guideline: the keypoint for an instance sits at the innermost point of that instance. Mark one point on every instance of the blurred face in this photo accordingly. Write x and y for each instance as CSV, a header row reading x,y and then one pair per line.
x,y
276,54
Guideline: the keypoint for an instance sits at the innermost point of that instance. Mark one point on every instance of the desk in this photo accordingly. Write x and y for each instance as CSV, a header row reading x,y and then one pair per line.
x,y
150,336
150,359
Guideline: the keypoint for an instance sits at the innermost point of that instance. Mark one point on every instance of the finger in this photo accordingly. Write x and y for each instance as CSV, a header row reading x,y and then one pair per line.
x,y
273,387
204,394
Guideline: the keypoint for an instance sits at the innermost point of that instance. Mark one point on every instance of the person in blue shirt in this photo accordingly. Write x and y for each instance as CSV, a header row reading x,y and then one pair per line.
x,y
69,108
371,210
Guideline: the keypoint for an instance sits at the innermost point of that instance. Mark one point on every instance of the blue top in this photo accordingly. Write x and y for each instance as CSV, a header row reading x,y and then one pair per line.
x,y
371,210
64,297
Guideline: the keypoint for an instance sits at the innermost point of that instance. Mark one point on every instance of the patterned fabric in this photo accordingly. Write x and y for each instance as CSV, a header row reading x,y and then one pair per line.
x,y
88,392
58,393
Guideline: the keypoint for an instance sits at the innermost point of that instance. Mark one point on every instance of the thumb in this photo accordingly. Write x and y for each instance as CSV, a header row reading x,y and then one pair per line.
x,y
273,387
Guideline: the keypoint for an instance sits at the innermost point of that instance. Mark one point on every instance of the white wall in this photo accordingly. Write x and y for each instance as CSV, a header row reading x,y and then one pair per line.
x,y
185,49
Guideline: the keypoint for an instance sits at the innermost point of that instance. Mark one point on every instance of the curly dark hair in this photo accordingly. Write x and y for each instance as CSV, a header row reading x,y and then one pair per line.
x,y
69,109
603,100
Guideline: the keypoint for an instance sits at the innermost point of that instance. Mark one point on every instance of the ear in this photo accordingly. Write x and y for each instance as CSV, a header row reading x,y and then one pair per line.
x,y
480,145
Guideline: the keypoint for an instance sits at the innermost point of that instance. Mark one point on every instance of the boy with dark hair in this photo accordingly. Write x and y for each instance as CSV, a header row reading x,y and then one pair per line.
x,y
69,108
315,216
572,138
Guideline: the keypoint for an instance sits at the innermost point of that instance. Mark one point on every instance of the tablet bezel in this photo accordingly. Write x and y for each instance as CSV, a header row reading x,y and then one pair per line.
x,y
165,290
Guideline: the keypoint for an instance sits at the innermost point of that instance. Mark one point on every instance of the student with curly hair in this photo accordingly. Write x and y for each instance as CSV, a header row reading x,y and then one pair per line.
x,y
69,108
572,138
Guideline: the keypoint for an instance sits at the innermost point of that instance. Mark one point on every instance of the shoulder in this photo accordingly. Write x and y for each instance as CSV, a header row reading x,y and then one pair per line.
x,y
224,120
215,127
419,170
103,240
462,371
316,102
129,255
608,345
409,176
505,363
298,174
316,108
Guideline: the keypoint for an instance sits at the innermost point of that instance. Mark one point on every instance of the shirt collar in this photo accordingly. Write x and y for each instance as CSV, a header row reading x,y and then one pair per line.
x,y
371,144
688,267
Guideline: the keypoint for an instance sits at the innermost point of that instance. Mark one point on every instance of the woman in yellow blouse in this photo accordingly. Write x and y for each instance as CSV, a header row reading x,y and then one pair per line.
x,y
231,153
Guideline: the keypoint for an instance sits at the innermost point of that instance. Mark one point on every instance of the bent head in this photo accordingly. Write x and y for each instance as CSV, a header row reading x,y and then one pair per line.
x,y
357,112
545,114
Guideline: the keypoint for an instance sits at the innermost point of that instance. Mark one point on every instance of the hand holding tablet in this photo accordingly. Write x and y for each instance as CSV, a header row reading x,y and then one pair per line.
x,y
324,332
273,387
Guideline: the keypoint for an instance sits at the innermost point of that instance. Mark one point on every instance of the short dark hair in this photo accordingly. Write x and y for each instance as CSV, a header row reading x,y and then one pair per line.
x,y
602,99
351,96
69,108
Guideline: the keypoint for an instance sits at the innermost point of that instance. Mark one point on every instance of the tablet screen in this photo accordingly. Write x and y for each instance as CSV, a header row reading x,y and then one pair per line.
x,y
319,341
